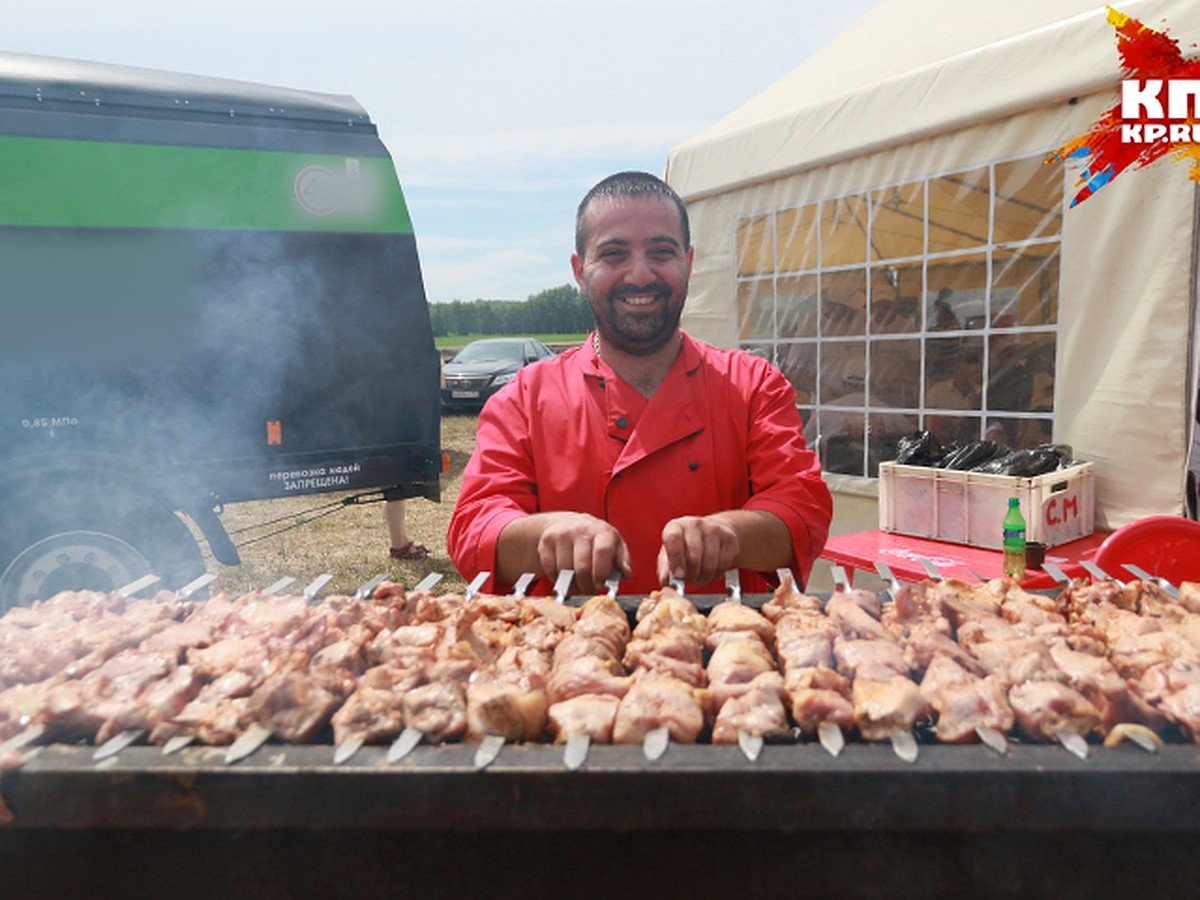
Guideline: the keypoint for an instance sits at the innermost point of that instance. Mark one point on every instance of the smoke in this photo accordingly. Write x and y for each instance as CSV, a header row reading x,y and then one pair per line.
x,y
177,348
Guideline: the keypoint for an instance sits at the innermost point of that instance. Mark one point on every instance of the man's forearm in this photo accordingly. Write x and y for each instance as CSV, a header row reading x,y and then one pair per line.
x,y
517,547
765,544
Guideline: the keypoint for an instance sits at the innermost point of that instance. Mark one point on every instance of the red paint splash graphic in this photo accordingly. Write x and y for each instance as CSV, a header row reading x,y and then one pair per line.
x,y
1101,154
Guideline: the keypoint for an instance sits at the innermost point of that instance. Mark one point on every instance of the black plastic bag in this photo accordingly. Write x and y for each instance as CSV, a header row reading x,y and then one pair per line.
x,y
1027,463
919,448
971,456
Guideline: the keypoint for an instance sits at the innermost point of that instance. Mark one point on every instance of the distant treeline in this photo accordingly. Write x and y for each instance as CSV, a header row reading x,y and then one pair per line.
x,y
559,310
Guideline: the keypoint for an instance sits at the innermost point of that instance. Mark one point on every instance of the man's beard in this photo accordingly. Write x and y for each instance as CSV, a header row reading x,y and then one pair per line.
x,y
636,334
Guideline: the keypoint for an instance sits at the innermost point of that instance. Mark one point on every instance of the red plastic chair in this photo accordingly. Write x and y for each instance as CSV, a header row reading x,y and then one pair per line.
x,y
1166,546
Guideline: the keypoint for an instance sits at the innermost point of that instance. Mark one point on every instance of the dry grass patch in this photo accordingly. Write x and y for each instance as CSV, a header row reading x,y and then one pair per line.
x,y
349,542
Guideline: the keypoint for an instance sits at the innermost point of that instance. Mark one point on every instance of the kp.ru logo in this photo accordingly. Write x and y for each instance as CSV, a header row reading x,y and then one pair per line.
x,y
1146,121
1158,111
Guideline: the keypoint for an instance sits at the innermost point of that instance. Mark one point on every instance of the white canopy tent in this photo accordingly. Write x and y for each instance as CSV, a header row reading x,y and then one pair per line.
x,y
926,126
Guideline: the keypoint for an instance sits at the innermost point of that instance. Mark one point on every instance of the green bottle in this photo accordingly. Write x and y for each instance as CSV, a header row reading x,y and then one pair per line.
x,y
1014,541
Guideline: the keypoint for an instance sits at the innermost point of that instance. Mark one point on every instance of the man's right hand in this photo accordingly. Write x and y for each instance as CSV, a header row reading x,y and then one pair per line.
x,y
590,546
553,541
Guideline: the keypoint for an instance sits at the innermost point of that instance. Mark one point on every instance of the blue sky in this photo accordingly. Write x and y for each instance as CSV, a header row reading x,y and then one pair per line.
x,y
499,113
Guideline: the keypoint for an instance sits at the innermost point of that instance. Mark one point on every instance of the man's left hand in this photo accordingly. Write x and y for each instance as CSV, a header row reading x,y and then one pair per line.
x,y
697,549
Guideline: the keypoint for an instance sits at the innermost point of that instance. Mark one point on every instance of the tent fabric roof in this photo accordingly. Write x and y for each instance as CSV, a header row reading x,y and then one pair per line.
x,y
894,76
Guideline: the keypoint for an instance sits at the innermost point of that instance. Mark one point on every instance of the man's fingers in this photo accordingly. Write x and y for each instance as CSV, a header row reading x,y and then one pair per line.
x,y
586,551
696,549
607,551
589,546
554,555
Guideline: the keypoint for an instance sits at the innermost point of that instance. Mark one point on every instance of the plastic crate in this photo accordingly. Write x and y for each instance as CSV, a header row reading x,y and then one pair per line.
x,y
969,507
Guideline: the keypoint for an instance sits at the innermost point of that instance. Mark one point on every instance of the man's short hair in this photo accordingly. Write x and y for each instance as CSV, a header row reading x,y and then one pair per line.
x,y
629,184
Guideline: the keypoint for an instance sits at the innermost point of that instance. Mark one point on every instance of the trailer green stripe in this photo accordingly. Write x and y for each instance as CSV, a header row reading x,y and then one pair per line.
x,y
101,184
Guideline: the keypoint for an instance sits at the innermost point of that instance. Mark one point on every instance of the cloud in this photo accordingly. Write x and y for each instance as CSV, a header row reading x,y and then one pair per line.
x,y
527,160
510,273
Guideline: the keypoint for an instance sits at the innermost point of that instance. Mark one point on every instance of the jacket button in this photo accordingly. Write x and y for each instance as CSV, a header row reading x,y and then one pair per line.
x,y
601,382
693,466
622,422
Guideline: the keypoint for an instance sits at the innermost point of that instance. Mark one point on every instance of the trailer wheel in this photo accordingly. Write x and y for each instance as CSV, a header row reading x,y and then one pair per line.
x,y
98,557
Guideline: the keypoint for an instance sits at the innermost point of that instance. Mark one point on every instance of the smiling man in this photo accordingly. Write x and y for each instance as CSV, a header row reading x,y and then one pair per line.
x,y
643,451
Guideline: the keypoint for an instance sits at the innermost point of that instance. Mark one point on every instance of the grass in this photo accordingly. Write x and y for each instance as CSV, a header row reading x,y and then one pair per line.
x,y
348,541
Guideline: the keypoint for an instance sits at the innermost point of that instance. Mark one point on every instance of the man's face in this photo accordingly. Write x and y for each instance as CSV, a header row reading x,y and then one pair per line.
x,y
634,270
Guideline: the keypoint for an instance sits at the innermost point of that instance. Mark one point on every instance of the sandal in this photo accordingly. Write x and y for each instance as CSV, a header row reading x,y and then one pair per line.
x,y
411,550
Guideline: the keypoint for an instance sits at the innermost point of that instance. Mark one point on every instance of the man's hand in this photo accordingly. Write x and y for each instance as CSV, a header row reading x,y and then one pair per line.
x,y
590,546
563,540
698,549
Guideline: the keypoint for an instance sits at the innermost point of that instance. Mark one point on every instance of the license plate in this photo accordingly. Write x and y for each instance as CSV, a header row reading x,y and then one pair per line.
x,y
464,395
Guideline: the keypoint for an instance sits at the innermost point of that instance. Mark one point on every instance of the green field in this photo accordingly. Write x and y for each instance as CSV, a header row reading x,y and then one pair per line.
x,y
553,340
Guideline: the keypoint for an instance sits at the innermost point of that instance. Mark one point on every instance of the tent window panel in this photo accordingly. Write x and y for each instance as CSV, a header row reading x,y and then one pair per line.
x,y
844,303
756,309
885,432
798,306
1025,285
895,379
797,231
954,373
908,281
956,293
841,446
764,350
844,231
1029,200
931,304
898,221
959,210
798,363
892,314
1020,433
843,373
954,429
1015,362
756,246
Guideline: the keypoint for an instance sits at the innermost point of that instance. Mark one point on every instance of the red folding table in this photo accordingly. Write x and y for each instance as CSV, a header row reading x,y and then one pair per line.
x,y
903,554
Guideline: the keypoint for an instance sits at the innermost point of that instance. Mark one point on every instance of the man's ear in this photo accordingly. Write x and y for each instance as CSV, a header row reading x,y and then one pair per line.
x,y
577,269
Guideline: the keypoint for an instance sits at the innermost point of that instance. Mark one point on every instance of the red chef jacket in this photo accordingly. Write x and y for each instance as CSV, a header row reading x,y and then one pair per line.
x,y
720,433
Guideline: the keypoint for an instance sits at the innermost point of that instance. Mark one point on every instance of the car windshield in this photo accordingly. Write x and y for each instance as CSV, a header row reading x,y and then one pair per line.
x,y
481,352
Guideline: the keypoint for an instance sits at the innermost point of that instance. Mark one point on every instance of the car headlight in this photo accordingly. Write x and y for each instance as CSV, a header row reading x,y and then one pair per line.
x,y
503,379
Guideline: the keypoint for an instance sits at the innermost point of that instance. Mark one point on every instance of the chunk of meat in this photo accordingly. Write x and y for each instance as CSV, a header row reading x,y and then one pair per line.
x,y
593,715
758,710
871,660
438,710
671,650
656,701
374,711
963,702
586,675
1043,708
506,709
735,664
1098,680
853,621
730,618
884,707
